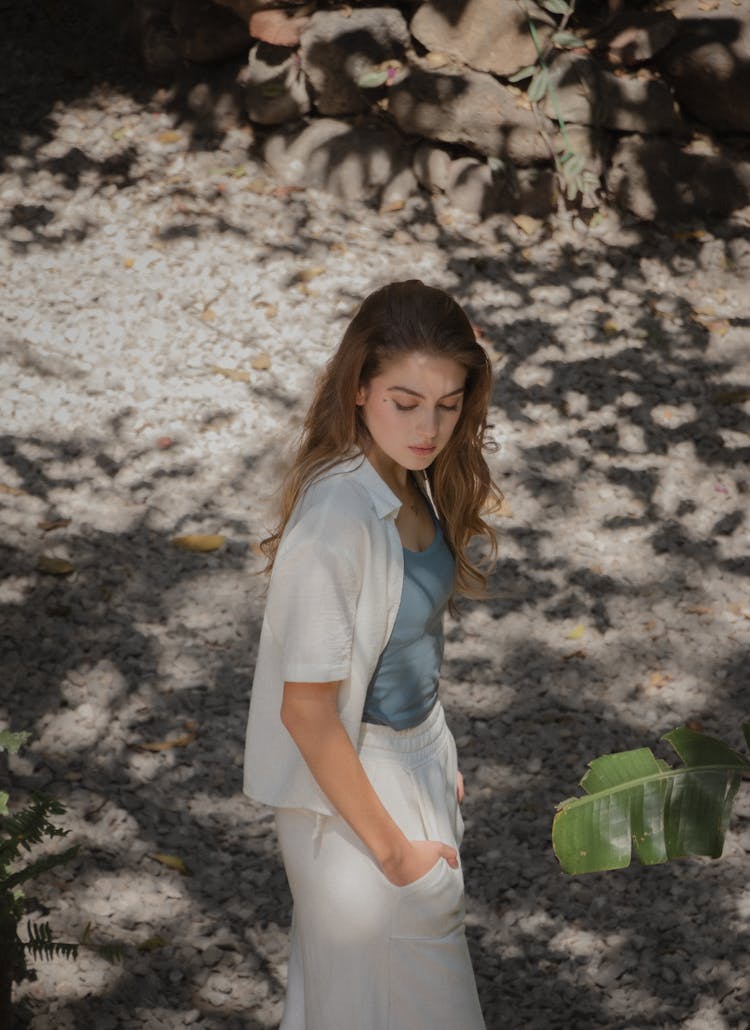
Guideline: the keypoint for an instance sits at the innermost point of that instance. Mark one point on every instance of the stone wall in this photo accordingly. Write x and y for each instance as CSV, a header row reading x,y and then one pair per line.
x,y
385,100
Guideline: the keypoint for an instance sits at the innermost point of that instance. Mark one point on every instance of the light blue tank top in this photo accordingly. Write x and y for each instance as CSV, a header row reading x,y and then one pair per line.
x,y
404,686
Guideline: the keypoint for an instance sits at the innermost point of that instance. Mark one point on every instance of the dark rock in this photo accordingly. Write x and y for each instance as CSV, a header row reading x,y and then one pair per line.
x,y
471,108
432,167
659,180
475,187
535,192
636,36
208,32
352,161
488,35
708,65
590,95
156,39
337,50
472,187
275,86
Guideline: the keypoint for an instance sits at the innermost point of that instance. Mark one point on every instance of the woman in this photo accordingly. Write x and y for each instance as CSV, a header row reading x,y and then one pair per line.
x,y
346,735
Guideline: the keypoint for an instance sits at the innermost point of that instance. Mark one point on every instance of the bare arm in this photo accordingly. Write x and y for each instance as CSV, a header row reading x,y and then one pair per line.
x,y
309,713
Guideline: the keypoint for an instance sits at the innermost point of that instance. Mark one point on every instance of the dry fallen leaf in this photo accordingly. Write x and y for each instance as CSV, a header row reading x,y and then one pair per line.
x,y
208,314
54,566
720,327
683,235
286,191
169,136
694,724
737,609
436,60
505,511
577,633
237,375
166,745
308,274
257,185
50,524
657,680
575,654
527,224
171,861
14,491
261,362
216,423
129,262
163,443
394,205
699,609
199,542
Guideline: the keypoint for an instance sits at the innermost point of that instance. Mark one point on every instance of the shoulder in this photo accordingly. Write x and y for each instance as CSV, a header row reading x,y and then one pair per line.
x,y
336,510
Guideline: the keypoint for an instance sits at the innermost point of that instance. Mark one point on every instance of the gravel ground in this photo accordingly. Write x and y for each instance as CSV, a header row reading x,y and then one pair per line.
x,y
165,308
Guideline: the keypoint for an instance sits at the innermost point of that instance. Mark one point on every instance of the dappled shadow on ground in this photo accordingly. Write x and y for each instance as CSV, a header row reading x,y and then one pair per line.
x,y
145,645
136,670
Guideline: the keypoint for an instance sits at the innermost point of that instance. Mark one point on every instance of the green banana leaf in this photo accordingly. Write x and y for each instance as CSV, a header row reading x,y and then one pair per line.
x,y
637,803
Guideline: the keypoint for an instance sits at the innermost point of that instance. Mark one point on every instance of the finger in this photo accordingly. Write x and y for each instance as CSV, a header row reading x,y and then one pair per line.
x,y
460,786
451,856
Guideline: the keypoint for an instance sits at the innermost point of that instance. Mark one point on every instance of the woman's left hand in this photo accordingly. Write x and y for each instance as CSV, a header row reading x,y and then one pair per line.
x,y
460,786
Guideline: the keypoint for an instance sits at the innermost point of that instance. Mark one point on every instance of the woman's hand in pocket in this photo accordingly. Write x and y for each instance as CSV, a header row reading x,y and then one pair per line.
x,y
416,860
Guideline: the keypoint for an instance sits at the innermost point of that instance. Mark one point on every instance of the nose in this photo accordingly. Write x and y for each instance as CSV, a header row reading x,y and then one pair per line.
x,y
428,425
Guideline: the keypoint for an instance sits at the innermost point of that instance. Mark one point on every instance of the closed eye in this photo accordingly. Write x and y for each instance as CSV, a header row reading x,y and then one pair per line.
x,y
413,407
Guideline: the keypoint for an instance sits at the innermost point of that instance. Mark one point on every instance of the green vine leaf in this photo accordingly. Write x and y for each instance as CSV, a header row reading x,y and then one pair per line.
x,y
539,85
523,73
555,6
568,40
373,79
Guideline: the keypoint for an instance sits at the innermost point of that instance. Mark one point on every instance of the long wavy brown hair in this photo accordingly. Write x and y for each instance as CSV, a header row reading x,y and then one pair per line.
x,y
394,321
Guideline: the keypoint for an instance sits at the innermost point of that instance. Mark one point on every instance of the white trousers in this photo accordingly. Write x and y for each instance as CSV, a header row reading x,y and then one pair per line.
x,y
366,955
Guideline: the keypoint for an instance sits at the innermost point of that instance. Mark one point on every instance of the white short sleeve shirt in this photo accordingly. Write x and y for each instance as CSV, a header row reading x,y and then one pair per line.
x,y
332,601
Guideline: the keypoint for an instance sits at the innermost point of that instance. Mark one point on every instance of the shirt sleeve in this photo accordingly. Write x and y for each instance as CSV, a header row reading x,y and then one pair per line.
x,y
312,599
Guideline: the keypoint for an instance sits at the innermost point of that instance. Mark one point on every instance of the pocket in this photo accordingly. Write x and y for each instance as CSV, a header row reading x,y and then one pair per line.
x,y
433,873
430,907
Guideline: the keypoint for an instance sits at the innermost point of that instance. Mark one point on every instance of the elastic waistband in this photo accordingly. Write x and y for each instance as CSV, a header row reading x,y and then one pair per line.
x,y
412,742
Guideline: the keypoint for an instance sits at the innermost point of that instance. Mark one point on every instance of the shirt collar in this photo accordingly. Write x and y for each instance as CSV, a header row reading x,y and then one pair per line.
x,y
385,501
359,468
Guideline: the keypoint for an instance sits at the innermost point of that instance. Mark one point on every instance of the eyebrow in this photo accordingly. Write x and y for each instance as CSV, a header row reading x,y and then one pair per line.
x,y
413,393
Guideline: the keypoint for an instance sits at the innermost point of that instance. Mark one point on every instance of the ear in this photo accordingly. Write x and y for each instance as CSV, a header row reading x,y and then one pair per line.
x,y
361,396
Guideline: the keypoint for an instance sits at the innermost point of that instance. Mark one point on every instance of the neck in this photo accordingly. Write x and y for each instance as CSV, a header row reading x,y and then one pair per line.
x,y
395,476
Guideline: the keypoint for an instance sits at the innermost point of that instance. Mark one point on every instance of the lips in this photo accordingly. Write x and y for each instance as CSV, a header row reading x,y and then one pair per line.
x,y
423,451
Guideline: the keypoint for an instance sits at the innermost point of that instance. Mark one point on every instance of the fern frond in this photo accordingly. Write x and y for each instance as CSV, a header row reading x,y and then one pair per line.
x,y
29,826
36,868
42,944
112,953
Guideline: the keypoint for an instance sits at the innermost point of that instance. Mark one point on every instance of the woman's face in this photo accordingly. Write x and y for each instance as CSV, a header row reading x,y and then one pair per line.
x,y
411,409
